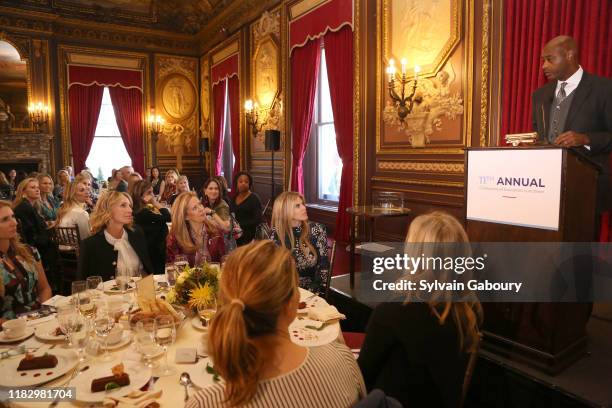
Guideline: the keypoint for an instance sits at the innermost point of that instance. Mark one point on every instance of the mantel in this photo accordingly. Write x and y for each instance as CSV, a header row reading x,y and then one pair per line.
x,y
21,147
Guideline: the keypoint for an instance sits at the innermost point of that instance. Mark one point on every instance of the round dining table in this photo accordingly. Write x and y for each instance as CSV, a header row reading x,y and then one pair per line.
x,y
190,335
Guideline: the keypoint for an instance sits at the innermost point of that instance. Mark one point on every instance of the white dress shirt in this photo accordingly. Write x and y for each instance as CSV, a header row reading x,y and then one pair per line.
x,y
128,262
571,82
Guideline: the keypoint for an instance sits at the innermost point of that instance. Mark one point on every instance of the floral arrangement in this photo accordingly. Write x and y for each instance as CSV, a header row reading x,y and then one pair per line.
x,y
195,286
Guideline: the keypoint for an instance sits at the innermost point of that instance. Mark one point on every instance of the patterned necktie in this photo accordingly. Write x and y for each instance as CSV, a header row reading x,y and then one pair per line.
x,y
561,94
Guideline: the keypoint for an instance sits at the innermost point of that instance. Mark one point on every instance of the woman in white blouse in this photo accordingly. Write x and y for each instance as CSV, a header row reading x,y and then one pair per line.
x,y
250,344
116,246
72,211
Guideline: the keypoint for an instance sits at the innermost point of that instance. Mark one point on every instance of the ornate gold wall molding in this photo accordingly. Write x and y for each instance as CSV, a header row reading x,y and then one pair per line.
x,y
357,72
432,167
484,75
64,57
432,183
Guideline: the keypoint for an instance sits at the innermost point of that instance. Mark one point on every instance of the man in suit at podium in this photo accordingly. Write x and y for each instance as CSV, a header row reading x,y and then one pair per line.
x,y
574,110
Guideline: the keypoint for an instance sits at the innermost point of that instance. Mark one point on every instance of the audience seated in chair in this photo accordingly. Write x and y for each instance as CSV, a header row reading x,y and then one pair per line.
x,y
306,240
116,246
246,206
23,283
72,211
48,203
192,235
152,217
250,344
417,349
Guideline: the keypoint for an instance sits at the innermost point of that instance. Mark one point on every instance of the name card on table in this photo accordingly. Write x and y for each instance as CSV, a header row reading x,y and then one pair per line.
x,y
515,187
145,290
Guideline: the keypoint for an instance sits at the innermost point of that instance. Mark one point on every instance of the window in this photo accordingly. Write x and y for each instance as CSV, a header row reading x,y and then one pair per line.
x,y
107,150
227,156
322,165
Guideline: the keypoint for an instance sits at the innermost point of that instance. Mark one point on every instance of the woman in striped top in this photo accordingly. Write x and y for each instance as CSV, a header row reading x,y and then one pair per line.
x,y
250,344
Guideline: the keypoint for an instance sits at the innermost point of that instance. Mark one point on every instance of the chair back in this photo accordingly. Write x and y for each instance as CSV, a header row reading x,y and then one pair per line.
x,y
67,238
332,258
469,371
263,231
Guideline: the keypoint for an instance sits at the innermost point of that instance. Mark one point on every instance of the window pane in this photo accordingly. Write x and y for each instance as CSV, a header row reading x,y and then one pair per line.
x,y
326,114
330,165
107,150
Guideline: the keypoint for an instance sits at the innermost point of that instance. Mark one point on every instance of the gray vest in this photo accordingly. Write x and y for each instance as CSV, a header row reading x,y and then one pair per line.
x,y
558,115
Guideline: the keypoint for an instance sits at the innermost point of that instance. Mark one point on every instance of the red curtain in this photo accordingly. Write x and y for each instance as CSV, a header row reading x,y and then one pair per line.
x,y
127,105
233,89
304,71
84,104
339,55
219,117
529,26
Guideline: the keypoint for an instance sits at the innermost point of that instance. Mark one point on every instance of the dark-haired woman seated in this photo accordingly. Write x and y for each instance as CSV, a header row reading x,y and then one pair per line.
x,y
23,283
116,247
246,206
192,235
250,344
417,349
152,217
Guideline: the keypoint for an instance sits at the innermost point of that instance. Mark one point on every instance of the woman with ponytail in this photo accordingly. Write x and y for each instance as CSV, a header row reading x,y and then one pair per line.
x,y
417,349
250,345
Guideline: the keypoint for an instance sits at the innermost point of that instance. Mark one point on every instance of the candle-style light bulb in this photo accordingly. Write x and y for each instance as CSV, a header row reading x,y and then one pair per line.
x,y
404,62
417,69
248,105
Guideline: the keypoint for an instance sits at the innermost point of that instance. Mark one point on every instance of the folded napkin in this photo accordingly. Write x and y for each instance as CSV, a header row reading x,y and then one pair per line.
x,y
135,399
325,313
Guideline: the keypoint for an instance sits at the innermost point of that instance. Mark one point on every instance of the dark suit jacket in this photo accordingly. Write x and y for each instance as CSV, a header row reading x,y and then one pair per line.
x,y
33,227
590,113
98,257
155,231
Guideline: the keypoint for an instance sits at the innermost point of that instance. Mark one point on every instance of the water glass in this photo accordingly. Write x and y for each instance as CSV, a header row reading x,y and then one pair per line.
x,y
165,335
145,340
66,316
180,261
207,312
93,284
171,273
80,336
103,324
77,287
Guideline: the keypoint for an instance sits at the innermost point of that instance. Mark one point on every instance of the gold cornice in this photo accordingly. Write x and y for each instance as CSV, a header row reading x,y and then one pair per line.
x,y
434,167
433,183
484,76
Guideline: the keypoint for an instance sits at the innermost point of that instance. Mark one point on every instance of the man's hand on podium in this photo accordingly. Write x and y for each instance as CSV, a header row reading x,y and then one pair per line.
x,y
572,139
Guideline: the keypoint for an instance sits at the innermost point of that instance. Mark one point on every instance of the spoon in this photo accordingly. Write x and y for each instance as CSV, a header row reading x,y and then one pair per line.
x,y
185,381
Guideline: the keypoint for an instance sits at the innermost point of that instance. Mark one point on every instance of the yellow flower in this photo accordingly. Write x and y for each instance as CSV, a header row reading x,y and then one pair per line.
x,y
200,296
171,296
182,276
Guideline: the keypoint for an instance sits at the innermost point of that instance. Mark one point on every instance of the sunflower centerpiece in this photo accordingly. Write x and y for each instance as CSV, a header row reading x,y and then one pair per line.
x,y
195,286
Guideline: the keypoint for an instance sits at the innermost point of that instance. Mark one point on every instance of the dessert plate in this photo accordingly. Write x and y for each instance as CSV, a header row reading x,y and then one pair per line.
x,y
27,333
66,361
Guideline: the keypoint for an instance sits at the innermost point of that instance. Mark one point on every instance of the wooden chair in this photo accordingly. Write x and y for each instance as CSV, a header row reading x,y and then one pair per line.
x,y
469,371
68,240
332,258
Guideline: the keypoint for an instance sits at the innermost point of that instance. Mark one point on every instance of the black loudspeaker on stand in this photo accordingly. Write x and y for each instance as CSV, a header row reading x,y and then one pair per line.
x,y
204,147
272,143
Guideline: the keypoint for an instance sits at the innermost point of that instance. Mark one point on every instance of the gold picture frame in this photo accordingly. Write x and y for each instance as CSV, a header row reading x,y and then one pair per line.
x,y
266,72
178,96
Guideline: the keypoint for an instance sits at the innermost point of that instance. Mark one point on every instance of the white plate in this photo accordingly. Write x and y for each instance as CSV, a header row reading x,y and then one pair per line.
x,y
303,336
126,337
304,294
198,373
197,324
139,376
134,349
109,287
27,333
45,332
66,361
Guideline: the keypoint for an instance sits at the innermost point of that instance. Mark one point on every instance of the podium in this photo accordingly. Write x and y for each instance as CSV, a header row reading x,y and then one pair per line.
x,y
532,194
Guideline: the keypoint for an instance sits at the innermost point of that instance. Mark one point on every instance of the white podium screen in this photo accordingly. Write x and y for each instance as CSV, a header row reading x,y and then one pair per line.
x,y
515,187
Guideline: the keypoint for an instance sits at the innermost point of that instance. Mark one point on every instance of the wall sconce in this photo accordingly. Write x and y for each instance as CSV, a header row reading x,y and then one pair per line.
x,y
257,117
156,124
39,115
403,102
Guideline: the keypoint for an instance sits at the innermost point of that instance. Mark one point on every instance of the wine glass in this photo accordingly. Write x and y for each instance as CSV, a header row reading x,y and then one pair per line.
x,y
145,340
207,311
93,283
80,335
180,261
165,335
103,324
171,273
66,315
77,287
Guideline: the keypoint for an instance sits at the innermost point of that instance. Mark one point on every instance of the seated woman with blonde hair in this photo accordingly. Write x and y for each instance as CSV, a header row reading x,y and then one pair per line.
x,y
72,211
417,349
250,344
23,283
116,246
192,235
306,240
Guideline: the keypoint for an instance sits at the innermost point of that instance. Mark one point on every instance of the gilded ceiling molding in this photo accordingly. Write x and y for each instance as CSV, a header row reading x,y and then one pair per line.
x,y
484,73
436,167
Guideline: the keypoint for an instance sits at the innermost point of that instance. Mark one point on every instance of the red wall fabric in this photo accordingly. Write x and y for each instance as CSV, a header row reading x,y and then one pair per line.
x,y
111,77
219,117
224,69
127,105
339,55
84,103
529,26
330,16
233,89
304,71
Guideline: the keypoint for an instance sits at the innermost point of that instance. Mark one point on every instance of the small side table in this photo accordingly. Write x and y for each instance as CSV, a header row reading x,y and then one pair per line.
x,y
371,213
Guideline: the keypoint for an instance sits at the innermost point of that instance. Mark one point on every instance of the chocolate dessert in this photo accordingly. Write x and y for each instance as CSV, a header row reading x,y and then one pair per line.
x,y
119,379
30,362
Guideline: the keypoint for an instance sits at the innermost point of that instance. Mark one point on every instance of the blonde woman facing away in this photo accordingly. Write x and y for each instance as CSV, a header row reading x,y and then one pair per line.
x,y
250,344
306,240
417,351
